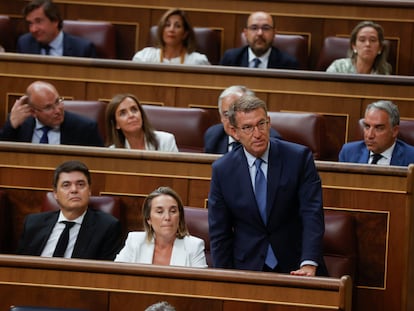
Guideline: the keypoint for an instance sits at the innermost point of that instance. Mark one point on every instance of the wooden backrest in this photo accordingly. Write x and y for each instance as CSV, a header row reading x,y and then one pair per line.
x,y
101,34
187,124
306,129
91,109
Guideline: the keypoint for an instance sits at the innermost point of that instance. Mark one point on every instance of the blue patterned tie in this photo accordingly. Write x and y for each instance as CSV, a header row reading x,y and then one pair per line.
x,y
256,63
260,188
45,139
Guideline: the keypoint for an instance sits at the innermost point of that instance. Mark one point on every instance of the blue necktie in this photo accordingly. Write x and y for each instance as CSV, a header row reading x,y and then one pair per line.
x,y
260,188
256,63
44,139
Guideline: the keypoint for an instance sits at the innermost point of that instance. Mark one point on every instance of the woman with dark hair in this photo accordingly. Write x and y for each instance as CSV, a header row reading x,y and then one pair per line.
x,y
166,240
128,127
367,52
176,42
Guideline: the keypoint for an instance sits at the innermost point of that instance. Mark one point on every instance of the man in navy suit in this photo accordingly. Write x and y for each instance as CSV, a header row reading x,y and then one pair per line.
x,y
380,144
217,138
282,234
41,109
259,53
92,235
46,35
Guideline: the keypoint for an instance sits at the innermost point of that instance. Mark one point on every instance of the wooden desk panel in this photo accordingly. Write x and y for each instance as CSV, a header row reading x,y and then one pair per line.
x,y
380,198
343,97
189,288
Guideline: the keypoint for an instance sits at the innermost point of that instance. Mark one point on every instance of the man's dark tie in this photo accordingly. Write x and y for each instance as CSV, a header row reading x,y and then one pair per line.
x,y
45,139
375,158
260,188
63,241
256,63
46,47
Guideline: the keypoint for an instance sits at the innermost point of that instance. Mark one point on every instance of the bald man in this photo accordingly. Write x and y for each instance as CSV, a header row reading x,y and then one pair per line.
x,y
39,117
259,52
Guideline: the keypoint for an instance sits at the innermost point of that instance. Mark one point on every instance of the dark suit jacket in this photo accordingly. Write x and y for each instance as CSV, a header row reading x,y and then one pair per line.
x,y
357,152
75,130
216,139
295,226
277,59
99,235
72,46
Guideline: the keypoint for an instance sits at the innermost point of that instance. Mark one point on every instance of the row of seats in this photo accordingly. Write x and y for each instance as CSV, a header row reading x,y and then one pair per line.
x,y
340,247
189,125
209,42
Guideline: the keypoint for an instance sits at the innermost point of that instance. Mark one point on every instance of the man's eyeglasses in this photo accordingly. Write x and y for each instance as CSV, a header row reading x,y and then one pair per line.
x,y
261,126
264,28
48,108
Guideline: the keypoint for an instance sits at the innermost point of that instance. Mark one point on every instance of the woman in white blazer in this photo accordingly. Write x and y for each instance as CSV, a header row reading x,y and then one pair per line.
x,y
127,126
166,240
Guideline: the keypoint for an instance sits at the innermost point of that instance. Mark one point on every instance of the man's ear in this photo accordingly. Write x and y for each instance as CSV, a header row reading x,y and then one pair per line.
x,y
234,132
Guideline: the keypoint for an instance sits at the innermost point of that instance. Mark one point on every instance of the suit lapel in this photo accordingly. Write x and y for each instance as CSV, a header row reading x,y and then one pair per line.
x,y
85,235
364,155
178,256
46,229
245,58
274,172
397,157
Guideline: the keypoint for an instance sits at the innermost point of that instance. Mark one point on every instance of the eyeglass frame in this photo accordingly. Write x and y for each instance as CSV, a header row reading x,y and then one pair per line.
x,y
249,129
58,102
263,28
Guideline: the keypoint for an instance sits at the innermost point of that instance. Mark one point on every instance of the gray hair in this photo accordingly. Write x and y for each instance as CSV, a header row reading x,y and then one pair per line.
x,y
390,108
160,306
234,89
246,103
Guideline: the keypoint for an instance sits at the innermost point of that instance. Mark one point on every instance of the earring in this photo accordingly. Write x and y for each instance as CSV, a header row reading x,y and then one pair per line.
x,y
379,52
355,51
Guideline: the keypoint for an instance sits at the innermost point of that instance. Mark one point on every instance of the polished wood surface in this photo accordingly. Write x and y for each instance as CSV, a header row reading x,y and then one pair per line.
x,y
341,98
120,286
314,19
380,199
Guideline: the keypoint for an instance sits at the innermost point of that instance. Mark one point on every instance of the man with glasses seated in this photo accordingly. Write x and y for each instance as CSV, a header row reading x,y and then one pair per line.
x,y
39,117
217,138
265,202
259,52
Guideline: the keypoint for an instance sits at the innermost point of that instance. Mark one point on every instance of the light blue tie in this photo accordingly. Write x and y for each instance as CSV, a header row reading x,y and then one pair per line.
x,y
260,188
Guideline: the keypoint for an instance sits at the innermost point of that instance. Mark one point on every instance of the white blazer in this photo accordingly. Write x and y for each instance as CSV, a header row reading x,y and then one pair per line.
x,y
188,252
166,142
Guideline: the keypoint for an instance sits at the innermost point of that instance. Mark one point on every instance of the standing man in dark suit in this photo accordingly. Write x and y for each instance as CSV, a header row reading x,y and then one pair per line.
x,y
259,53
92,234
39,117
380,144
217,138
46,36
265,201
